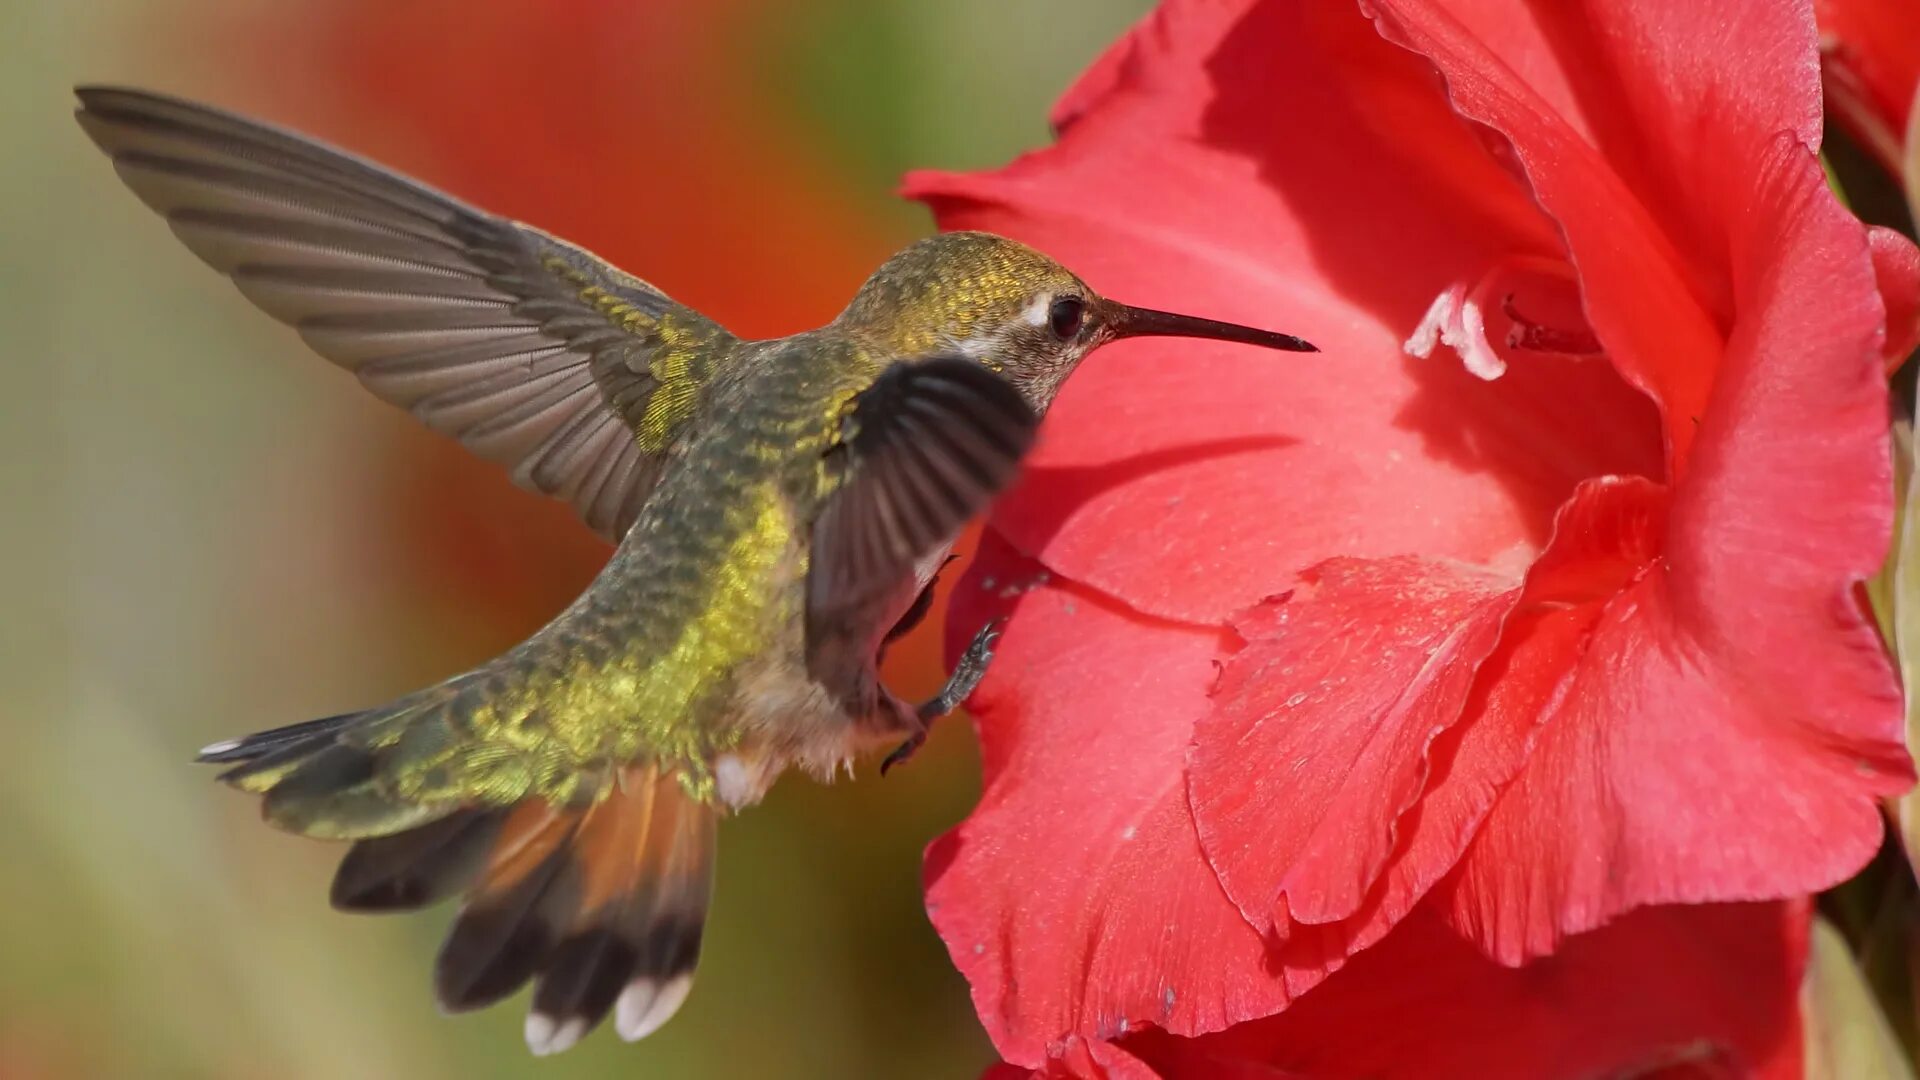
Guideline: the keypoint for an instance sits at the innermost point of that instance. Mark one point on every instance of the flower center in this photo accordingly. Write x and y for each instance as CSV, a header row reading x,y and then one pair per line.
x,y
1522,303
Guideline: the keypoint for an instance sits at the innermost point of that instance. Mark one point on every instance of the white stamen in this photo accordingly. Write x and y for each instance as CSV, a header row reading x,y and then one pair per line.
x,y
1427,334
1475,352
1455,318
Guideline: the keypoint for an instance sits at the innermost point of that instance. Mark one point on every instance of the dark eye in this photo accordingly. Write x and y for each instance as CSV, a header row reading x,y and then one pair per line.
x,y
1065,317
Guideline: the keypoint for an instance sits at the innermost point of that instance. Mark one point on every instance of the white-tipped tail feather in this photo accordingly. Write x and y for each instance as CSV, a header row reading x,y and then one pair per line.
x,y
646,1004
545,1037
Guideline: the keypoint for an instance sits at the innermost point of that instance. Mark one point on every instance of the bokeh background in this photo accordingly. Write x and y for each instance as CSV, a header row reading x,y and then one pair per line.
x,y
204,530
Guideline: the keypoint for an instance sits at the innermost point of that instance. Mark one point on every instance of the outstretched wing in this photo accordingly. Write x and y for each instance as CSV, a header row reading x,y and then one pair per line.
x,y
530,351
924,449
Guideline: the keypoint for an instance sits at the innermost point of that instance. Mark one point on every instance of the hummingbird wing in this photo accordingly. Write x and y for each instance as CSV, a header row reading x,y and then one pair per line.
x,y
923,449
532,352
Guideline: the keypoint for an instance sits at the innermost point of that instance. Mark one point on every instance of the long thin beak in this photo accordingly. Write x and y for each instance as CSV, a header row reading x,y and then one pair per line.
x,y
1129,322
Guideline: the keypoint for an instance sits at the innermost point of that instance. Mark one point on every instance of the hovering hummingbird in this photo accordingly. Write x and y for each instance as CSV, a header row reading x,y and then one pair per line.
x,y
780,509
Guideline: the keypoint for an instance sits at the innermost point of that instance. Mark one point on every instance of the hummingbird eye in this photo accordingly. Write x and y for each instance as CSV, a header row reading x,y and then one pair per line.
x,y
1066,316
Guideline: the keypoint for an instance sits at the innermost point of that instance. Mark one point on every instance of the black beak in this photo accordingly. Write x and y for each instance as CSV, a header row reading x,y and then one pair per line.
x,y
1129,322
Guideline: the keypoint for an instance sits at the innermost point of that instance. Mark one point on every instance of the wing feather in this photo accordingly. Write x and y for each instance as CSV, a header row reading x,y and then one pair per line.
x,y
530,351
930,444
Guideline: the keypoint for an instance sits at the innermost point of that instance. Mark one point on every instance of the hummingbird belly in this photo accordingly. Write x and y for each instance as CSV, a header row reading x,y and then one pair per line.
x,y
790,718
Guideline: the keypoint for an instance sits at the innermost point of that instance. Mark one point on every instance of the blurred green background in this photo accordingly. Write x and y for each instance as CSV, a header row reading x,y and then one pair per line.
x,y
205,530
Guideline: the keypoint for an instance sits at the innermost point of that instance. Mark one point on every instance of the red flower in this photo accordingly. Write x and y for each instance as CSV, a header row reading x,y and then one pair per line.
x,y
1504,642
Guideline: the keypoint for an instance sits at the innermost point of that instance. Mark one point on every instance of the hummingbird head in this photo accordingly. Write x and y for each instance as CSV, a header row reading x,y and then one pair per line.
x,y
1012,309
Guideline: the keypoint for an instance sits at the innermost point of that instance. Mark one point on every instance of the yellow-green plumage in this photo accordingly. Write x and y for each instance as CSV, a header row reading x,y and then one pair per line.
x,y
778,506
646,663
710,577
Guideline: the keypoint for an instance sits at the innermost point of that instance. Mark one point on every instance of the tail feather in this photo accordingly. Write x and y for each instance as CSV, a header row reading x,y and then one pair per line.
x,y
417,868
513,915
347,777
636,938
260,744
340,793
598,893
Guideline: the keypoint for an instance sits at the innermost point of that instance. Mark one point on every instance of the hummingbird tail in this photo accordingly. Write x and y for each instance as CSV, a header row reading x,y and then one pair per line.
x,y
603,906
594,888
602,903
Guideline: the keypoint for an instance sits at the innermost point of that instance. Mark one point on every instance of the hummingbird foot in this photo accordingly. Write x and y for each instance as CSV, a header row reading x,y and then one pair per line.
x,y
959,686
904,751
966,674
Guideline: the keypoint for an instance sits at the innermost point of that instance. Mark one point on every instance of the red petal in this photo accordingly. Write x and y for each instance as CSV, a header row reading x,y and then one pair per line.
x,y
1644,284
1668,770
1107,1061
1706,991
1462,765
1082,1060
1683,142
1318,740
1075,898
1734,713
1194,479
1896,272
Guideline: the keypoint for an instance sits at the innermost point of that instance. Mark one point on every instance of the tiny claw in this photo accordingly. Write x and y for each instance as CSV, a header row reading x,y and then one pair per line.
x,y
904,751
967,673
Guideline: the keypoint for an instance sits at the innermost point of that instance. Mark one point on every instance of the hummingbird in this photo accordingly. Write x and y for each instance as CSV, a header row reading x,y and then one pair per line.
x,y
779,510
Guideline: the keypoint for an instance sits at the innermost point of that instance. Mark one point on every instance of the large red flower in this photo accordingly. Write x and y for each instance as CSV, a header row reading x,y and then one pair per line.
x,y
1529,603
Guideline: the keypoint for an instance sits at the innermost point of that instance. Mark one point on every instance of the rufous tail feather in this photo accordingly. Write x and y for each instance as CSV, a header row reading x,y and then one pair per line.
x,y
600,902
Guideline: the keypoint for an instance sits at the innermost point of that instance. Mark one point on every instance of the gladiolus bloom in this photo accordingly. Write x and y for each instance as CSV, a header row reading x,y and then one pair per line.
x,y
1531,603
